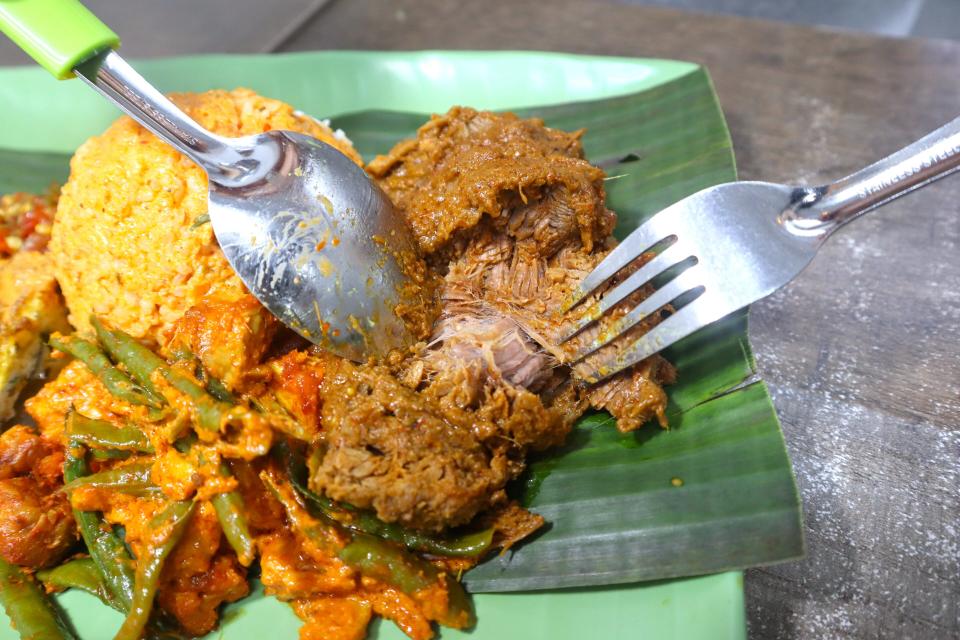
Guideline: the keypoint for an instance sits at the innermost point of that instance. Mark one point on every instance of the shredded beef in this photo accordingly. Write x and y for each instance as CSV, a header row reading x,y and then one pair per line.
x,y
511,216
391,449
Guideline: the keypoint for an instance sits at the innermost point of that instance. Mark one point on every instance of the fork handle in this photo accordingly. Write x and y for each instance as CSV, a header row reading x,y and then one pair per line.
x,y
821,210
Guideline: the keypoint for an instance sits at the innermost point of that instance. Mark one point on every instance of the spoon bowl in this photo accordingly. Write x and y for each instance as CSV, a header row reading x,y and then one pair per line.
x,y
317,242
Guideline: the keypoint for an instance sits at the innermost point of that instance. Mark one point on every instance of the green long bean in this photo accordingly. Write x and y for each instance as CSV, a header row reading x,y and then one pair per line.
x,y
31,612
168,526
467,545
116,382
81,573
213,386
375,558
231,512
141,362
132,479
233,520
109,454
106,548
99,434
219,390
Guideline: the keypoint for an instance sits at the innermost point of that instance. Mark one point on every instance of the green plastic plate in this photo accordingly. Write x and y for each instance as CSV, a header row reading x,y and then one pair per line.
x,y
39,114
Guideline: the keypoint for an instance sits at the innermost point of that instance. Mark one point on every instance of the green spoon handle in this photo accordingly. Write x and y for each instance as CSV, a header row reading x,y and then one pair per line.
x,y
67,40
58,34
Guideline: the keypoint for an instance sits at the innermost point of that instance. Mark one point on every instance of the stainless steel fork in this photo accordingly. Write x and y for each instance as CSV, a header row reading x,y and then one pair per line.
x,y
730,245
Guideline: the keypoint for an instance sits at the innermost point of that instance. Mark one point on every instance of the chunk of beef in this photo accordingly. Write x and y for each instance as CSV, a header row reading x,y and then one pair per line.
x,y
469,164
494,348
487,366
511,216
636,395
511,523
388,448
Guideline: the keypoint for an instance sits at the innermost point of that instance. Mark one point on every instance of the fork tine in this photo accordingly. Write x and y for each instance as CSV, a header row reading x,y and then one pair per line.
x,y
672,255
642,238
671,291
678,326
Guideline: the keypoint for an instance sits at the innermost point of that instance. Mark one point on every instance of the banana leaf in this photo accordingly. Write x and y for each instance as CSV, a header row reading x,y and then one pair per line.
x,y
32,171
716,491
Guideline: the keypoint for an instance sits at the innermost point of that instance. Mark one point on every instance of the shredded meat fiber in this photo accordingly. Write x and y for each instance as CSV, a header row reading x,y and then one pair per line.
x,y
510,215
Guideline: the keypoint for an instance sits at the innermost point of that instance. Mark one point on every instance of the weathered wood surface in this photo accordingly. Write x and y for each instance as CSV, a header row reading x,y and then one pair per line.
x,y
862,353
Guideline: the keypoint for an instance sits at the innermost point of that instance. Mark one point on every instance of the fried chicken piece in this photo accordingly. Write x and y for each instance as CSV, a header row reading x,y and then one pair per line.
x,y
36,523
22,451
228,334
36,527
198,577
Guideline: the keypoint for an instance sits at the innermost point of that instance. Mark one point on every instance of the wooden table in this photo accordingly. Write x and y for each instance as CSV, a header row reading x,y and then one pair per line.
x,y
862,353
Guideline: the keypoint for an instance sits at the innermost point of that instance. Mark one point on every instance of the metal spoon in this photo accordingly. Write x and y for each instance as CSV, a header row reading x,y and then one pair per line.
x,y
307,231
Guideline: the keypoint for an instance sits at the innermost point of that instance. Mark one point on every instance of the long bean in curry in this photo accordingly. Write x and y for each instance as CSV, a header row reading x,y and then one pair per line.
x,y
79,573
99,434
373,557
30,611
230,510
166,529
106,548
214,387
116,381
132,479
141,362
231,516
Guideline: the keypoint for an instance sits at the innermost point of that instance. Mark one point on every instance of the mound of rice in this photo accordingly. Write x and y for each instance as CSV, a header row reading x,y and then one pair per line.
x,y
129,241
